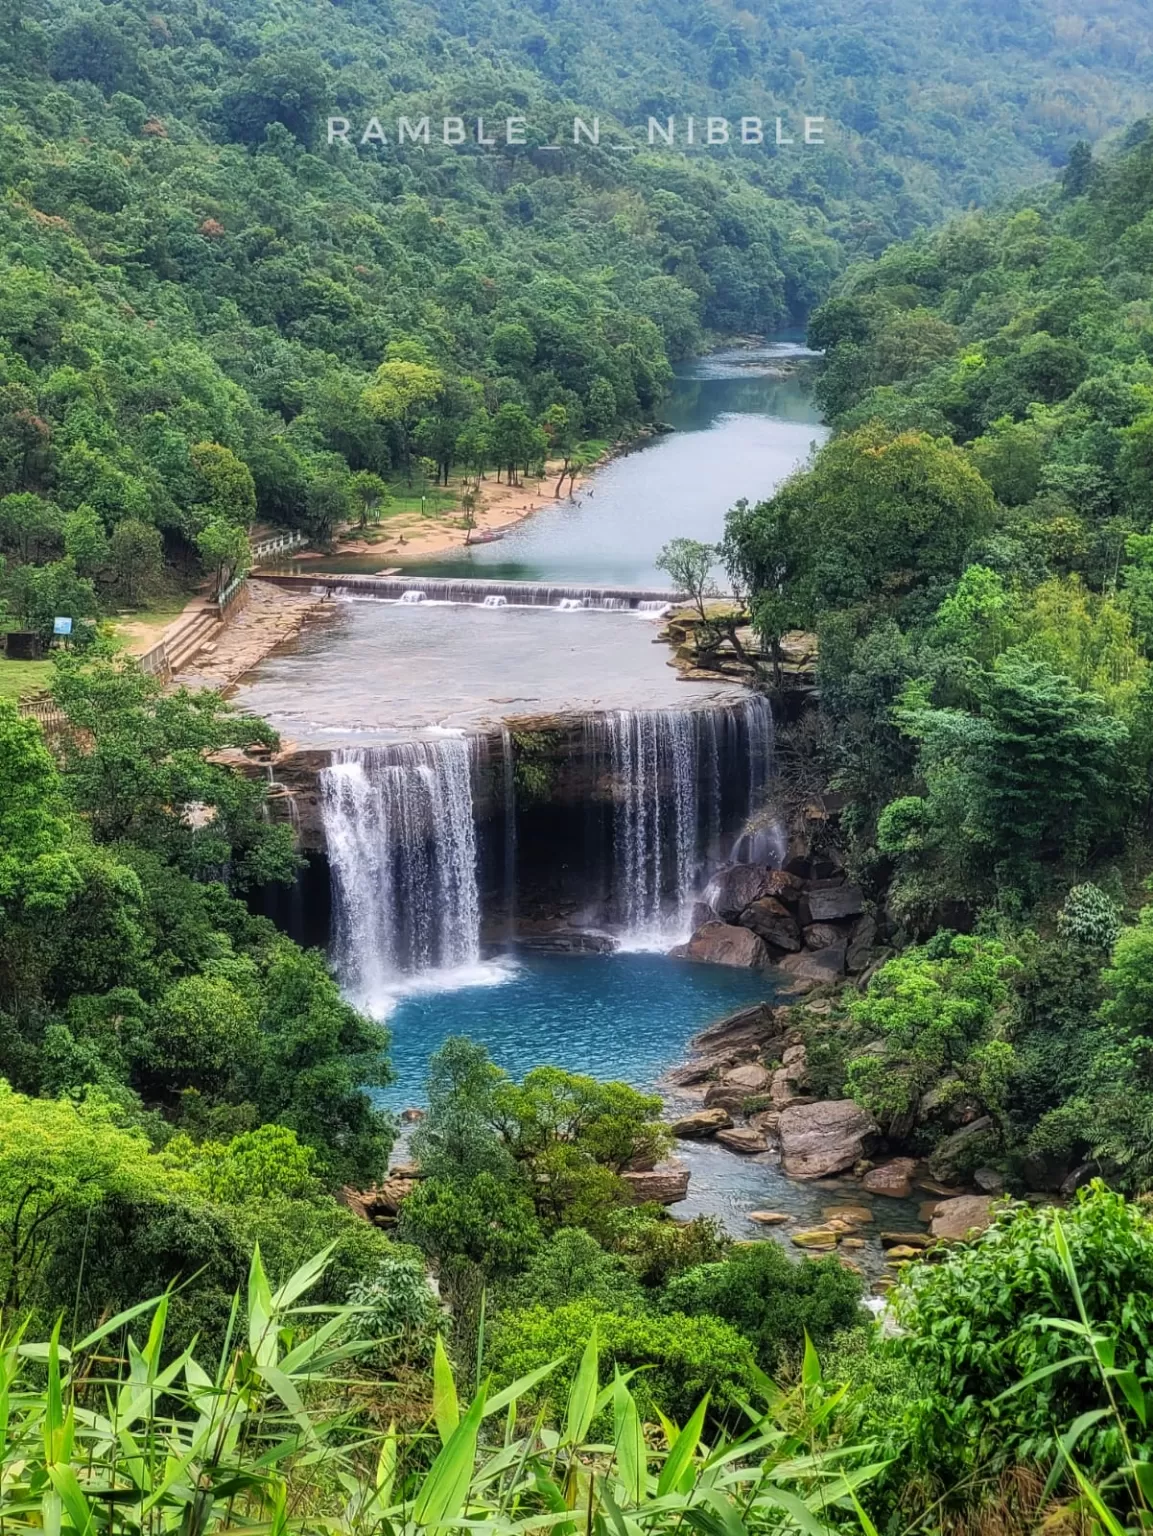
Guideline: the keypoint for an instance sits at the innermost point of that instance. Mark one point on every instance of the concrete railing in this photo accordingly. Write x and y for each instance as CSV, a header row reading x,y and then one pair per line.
x,y
268,549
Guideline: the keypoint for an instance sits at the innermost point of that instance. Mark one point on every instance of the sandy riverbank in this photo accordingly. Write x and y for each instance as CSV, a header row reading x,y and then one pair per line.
x,y
410,535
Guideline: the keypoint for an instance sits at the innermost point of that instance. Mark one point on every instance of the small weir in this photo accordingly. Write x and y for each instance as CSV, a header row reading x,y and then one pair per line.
x,y
487,594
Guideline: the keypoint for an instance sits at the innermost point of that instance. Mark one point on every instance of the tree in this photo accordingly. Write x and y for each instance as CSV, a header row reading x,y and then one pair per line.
x,y
513,440
226,489
58,1160
942,1012
369,495
42,593
136,557
400,393
29,525
225,550
876,520
690,565
85,541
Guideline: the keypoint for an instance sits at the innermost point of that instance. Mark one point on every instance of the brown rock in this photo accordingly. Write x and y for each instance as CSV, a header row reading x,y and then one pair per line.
x,y
894,1178
731,890
766,1122
903,1254
752,1078
962,1217
906,1240
820,965
819,1238
723,944
719,1096
855,1215
770,1218
773,921
749,1027
823,936
787,1088
864,936
705,1122
823,1138
743,1139
833,902
663,1185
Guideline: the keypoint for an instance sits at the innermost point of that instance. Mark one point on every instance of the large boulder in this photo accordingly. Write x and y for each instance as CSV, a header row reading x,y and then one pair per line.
x,y
752,1078
773,921
724,1096
861,942
965,1216
894,1178
743,1139
831,903
704,1122
819,965
724,944
824,936
731,890
663,1185
823,1138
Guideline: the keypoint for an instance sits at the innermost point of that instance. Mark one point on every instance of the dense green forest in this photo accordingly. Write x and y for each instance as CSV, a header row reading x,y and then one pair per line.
x,y
209,316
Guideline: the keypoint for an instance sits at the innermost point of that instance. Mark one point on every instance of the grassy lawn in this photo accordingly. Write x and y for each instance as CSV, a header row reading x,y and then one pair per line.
x,y
18,678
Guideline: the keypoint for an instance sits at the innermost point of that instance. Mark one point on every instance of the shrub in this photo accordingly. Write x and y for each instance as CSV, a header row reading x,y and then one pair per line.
x,y
770,1299
680,1358
982,1320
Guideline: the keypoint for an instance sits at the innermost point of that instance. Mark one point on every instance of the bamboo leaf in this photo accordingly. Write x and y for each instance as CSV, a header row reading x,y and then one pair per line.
x,y
583,1393
445,1489
629,1441
680,1457
445,1405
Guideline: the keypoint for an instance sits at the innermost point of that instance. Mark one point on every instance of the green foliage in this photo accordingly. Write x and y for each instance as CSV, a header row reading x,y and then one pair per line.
x,y
942,1014
680,1358
985,1332
770,1300
570,1265
486,1220
1090,918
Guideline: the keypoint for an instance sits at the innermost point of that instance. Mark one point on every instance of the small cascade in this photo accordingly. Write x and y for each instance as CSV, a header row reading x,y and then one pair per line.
x,y
523,594
401,841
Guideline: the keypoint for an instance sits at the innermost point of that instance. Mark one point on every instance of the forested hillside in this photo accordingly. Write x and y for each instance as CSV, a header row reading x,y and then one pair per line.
x,y
974,548
209,315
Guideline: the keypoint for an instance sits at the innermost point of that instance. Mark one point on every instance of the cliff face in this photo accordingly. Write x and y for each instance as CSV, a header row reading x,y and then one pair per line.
x,y
581,822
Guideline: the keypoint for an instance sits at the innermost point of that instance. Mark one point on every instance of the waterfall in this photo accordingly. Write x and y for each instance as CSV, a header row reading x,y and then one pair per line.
x,y
398,823
670,777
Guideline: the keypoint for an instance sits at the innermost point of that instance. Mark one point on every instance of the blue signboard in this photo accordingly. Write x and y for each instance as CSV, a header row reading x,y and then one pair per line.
x,y
61,626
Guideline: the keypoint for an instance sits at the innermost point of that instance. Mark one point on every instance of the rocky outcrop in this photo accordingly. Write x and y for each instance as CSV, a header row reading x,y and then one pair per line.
x,y
964,1216
954,1155
704,1123
823,1138
773,921
894,1178
733,889
828,902
743,1139
663,1185
752,1078
725,944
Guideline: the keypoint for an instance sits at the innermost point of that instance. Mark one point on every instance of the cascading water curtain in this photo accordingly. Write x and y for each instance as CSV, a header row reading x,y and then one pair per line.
x,y
401,840
677,779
